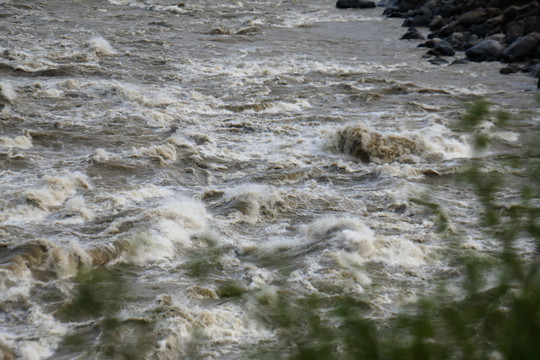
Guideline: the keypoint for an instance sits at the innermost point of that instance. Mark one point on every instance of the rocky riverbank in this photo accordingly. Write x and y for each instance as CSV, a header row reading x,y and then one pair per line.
x,y
507,31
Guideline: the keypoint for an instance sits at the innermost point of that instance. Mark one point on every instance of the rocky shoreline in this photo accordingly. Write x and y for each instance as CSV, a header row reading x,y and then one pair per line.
x,y
507,31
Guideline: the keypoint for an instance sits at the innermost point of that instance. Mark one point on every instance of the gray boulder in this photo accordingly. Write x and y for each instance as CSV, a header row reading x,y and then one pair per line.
x,y
520,49
486,50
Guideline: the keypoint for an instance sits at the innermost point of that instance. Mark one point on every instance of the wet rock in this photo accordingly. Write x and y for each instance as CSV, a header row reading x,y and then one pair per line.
x,y
496,21
493,12
412,34
473,40
442,48
532,24
513,31
533,68
473,17
394,12
520,49
510,13
436,23
487,30
459,62
536,70
431,43
498,37
438,61
483,30
501,4
486,50
419,20
355,4
511,69
530,9
447,9
456,40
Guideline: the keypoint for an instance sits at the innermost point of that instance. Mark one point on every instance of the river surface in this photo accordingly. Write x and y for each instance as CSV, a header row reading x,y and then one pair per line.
x,y
284,145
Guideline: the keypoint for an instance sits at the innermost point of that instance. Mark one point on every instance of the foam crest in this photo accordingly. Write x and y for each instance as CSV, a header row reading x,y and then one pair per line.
x,y
253,202
53,191
102,156
489,129
226,325
348,233
286,107
162,153
158,233
15,265
347,246
369,146
101,46
19,142
144,192
25,62
7,91
430,145
77,206
18,264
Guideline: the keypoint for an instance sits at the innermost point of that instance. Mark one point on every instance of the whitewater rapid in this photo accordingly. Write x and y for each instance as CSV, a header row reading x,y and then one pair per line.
x,y
291,146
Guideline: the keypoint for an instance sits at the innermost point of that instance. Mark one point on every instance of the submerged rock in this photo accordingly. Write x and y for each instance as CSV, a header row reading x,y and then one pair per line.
x,y
412,34
439,61
442,48
355,4
511,69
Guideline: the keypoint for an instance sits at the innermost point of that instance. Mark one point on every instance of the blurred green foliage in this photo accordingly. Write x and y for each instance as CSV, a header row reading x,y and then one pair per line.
x,y
494,319
98,297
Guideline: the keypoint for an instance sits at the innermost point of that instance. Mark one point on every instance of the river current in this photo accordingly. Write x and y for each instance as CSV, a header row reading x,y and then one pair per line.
x,y
296,143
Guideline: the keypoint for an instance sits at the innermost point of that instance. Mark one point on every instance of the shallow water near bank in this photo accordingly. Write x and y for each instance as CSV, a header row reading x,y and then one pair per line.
x,y
285,146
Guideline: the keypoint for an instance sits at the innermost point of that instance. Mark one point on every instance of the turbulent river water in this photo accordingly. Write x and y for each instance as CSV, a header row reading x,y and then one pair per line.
x,y
281,144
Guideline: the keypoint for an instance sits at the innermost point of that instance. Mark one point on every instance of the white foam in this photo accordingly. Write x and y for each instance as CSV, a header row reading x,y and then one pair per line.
x,y
101,46
489,129
348,245
53,191
286,107
102,156
19,142
399,170
508,136
323,227
144,192
33,350
225,324
7,91
440,140
163,153
177,223
78,206
256,202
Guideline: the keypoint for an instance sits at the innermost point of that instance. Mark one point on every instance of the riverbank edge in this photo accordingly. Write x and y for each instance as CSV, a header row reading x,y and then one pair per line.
x,y
505,31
